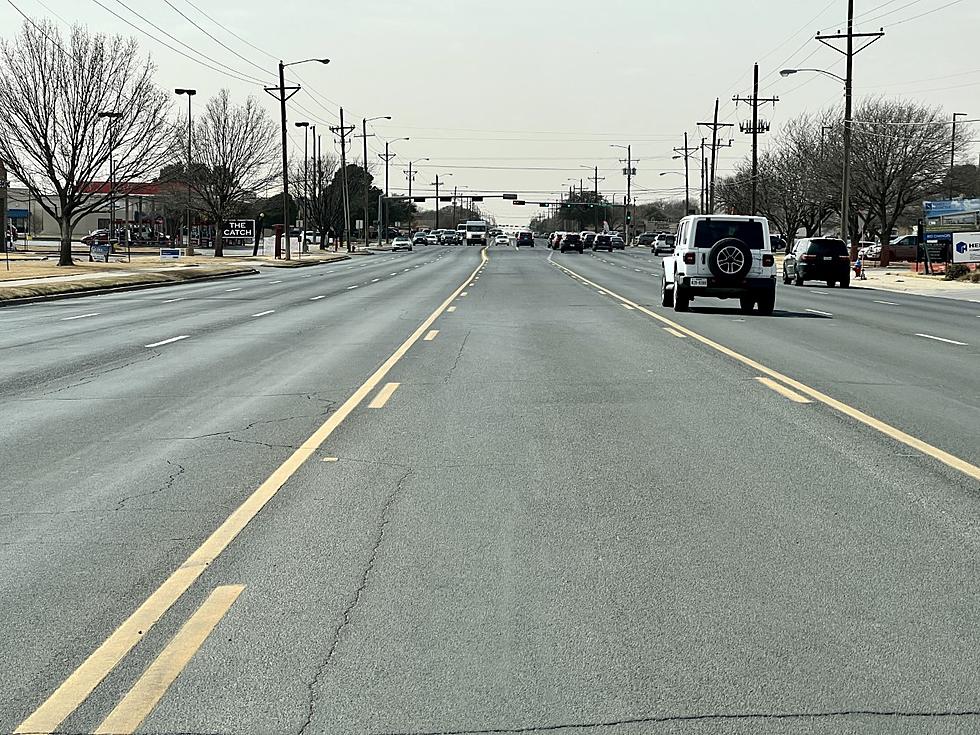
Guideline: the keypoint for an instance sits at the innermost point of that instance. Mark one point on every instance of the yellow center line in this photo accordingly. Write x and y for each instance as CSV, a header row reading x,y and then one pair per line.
x,y
383,395
961,465
150,688
674,332
79,685
430,336
783,390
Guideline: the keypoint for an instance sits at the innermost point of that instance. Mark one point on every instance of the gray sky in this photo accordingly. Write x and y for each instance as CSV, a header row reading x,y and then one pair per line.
x,y
543,87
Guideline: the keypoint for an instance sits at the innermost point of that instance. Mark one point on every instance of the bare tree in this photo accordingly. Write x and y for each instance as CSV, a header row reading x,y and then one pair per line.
x,y
235,153
52,136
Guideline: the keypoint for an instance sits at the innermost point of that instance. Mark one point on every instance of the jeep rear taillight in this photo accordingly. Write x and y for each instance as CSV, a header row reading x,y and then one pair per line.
x,y
689,258
768,260
808,257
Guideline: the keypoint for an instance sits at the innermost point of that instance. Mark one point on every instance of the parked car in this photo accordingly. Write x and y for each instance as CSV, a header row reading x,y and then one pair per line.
x,y
818,259
602,241
866,246
722,256
524,239
904,248
572,241
617,242
664,244
401,243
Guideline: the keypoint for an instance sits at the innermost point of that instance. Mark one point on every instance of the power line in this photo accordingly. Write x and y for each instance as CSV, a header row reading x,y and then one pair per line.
x,y
230,32
928,12
213,38
36,26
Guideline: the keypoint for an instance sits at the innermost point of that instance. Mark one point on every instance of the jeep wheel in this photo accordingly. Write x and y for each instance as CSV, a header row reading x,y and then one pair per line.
x,y
767,303
729,260
666,294
799,280
746,304
682,301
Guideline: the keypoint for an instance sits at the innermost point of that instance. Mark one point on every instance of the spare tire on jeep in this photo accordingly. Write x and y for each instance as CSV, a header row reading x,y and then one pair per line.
x,y
729,260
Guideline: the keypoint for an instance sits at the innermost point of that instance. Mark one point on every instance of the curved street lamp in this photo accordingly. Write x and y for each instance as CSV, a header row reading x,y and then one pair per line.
x,y
788,72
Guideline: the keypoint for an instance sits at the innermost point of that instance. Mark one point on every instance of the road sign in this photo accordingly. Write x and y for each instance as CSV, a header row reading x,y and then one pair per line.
x,y
238,229
99,252
169,253
966,247
359,224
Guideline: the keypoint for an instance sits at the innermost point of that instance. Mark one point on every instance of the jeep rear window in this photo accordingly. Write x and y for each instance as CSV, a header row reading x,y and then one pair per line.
x,y
827,246
711,231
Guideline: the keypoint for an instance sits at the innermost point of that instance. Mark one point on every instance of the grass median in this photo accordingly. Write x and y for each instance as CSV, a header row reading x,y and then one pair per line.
x,y
148,278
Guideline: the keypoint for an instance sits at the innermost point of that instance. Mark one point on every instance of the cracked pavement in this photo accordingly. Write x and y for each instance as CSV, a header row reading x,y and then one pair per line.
x,y
539,532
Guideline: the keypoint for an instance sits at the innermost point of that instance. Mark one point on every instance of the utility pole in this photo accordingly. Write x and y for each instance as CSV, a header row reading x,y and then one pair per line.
x,y
629,188
595,180
386,157
366,174
189,249
820,211
306,183
686,152
952,151
455,188
849,53
437,202
344,131
704,178
283,93
715,127
754,128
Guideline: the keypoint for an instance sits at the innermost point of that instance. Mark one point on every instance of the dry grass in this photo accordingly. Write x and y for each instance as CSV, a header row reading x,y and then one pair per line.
x,y
127,279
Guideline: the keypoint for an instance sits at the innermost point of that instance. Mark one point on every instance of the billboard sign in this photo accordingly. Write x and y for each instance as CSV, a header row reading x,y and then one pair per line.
x,y
966,247
238,229
942,219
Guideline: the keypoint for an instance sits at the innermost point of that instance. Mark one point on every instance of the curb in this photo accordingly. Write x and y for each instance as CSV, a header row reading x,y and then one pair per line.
x,y
295,263
117,289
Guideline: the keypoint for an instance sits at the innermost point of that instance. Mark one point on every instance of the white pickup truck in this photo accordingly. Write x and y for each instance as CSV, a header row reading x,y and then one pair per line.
x,y
722,256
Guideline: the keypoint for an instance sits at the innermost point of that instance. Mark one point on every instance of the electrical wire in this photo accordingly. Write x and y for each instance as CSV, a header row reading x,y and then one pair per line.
x,y
230,32
928,12
213,38
36,26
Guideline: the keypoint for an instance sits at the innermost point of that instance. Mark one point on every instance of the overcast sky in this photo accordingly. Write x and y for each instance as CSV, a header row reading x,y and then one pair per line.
x,y
522,95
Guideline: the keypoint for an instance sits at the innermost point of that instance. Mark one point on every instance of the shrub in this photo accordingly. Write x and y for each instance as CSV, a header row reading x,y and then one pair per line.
x,y
956,271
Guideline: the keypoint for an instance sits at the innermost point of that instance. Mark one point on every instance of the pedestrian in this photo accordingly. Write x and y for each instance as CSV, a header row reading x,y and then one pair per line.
x,y
859,269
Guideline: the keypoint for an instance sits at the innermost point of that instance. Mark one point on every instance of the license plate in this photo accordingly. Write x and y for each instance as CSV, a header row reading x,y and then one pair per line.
x,y
828,257
702,282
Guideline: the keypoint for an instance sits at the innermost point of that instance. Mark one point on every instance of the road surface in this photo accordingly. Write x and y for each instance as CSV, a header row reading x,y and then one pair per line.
x,y
443,492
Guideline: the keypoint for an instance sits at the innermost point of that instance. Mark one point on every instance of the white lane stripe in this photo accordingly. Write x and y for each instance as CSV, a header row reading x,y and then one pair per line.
x,y
271,282
80,316
392,274
317,298
941,339
350,287
168,341
822,293
264,313
170,301
817,311
229,290
375,280
889,303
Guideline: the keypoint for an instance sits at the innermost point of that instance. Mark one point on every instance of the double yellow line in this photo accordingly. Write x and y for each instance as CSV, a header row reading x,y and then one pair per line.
x,y
961,465
83,681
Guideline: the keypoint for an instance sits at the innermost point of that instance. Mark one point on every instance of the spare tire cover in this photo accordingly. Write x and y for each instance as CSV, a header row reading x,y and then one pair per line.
x,y
729,260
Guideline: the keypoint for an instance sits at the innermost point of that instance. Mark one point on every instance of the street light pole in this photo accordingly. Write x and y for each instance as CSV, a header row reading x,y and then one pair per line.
x,y
306,182
387,159
364,135
189,250
111,116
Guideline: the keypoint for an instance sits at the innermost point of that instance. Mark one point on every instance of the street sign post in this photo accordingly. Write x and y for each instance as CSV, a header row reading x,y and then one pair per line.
x,y
169,253
98,251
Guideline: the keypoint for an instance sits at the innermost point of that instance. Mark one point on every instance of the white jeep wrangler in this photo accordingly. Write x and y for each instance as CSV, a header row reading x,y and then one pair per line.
x,y
723,256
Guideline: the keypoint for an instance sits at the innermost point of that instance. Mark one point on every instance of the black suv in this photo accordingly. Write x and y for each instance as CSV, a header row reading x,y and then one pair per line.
x,y
646,239
524,238
603,242
818,259
572,241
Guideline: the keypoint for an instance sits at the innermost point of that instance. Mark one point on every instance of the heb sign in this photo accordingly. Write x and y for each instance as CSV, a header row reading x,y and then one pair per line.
x,y
238,229
966,247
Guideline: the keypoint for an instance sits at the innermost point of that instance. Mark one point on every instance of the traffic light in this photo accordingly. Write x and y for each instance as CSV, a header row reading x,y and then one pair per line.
x,y
509,196
629,218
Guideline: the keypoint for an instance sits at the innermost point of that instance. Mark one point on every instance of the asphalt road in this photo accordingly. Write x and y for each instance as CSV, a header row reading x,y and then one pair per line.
x,y
336,506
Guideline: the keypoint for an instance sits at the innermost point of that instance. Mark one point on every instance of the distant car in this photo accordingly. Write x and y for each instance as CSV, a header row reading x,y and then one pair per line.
x,y
904,248
419,239
818,259
617,242
647,239
555,240
778,243
588,239
865,246
97,237
448,237
401,243
572,241
524,239
602,241
432,238
664,244
501,240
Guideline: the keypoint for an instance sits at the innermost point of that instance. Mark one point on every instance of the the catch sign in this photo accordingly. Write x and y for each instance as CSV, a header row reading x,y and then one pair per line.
x,y
238,229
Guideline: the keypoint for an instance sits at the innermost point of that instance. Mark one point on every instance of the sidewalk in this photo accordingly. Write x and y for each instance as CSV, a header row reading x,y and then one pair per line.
x,y
902,279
